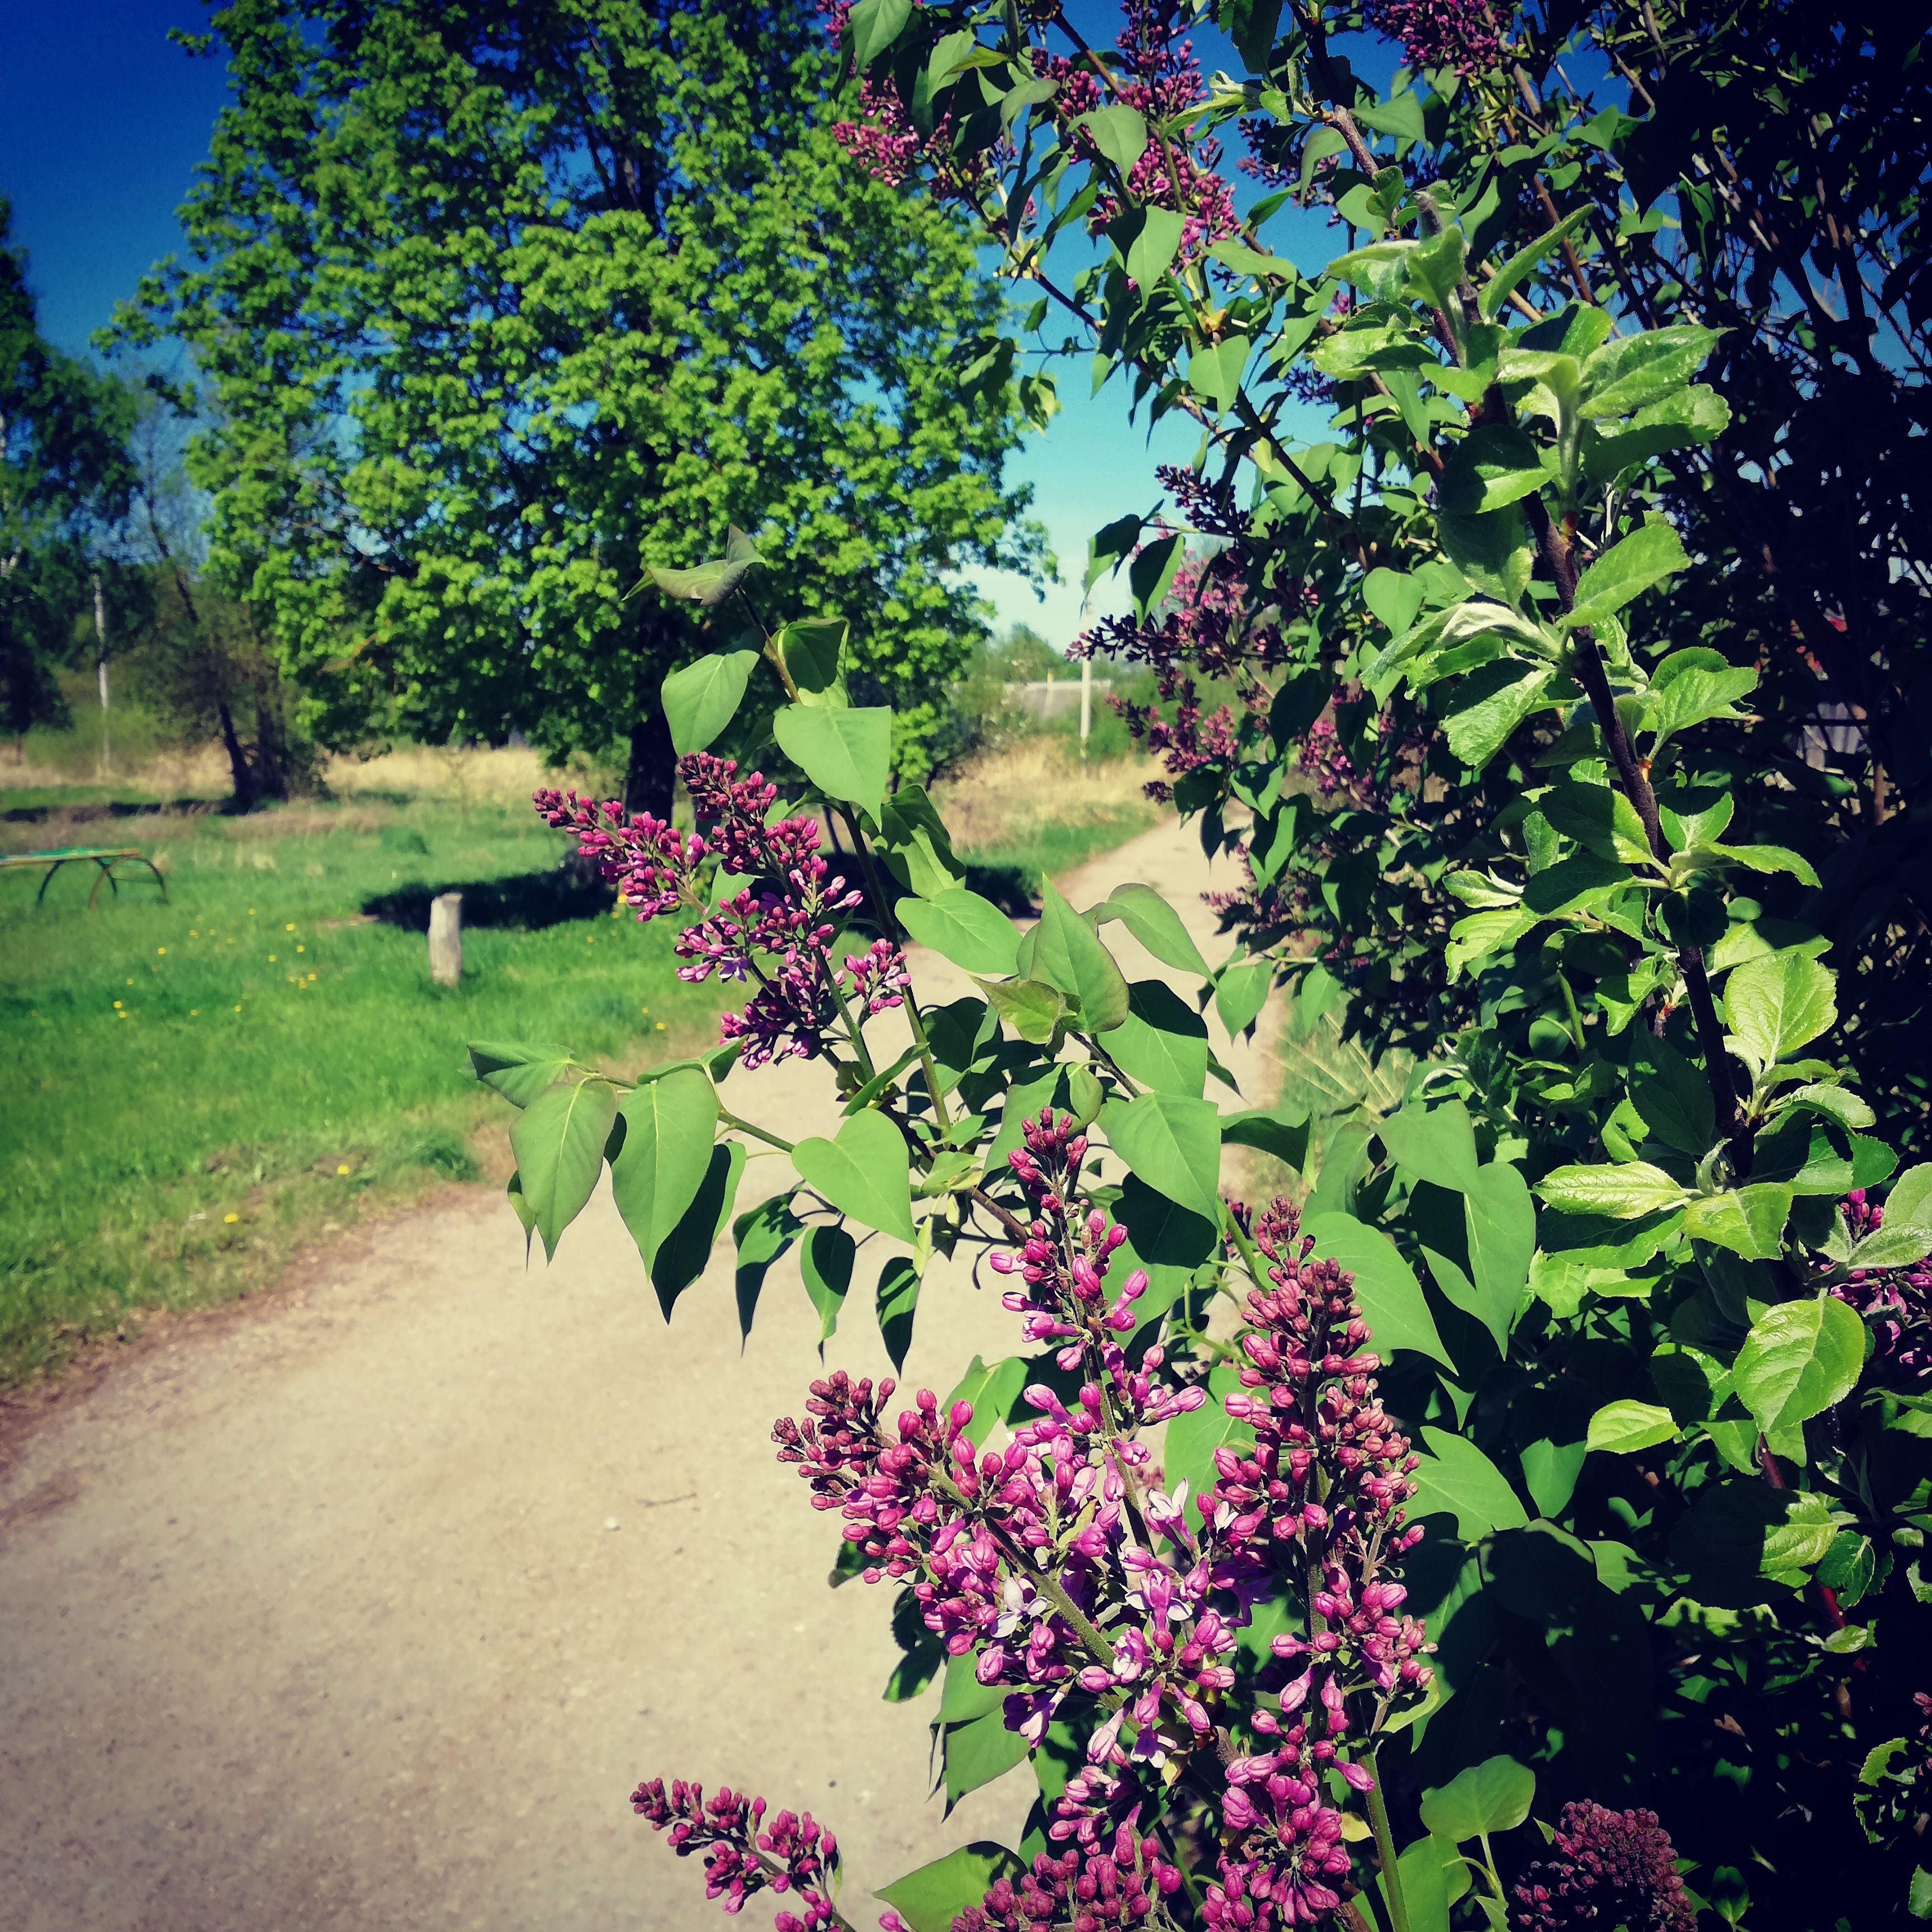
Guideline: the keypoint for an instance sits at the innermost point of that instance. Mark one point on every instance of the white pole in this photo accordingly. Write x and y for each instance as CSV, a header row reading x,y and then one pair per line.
x,y
1086,683
101,671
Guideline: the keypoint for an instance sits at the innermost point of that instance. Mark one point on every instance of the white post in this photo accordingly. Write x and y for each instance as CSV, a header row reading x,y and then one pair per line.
x,y
1086,683
100,672
446,938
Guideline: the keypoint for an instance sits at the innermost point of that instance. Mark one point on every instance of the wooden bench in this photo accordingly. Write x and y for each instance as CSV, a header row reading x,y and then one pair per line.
x,y
106,857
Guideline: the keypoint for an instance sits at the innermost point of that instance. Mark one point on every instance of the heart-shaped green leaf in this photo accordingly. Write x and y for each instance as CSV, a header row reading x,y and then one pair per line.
x,y
846,754
863,1173
961,926
1391,1298
1173,1144
701,700
664,1156
559,1141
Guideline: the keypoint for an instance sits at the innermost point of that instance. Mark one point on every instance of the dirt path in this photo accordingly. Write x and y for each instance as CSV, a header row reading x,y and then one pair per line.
x,y
368,1612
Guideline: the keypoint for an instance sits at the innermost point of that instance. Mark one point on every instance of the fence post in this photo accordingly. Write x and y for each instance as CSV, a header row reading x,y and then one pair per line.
x,y
446,938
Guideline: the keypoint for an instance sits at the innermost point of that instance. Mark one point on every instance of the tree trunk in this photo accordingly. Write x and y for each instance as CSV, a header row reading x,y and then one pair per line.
x,y
272,775
243,778
651,775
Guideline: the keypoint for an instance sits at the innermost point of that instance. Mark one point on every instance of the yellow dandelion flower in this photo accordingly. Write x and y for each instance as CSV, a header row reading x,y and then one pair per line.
x,y
342,1168
194,1012
290,927
659,1027
271,961
231,1219
130,982
117,1003
193,933
238,1010
161,949
301,949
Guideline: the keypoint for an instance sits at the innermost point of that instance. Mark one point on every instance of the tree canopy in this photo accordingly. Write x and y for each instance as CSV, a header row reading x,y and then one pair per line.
x,y
64,469
499,304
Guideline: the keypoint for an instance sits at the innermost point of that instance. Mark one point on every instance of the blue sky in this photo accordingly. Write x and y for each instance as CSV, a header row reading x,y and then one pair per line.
x,y
105,121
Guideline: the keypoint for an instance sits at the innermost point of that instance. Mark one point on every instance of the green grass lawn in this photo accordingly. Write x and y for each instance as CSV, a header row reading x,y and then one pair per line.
x,y
200,1086
188,1081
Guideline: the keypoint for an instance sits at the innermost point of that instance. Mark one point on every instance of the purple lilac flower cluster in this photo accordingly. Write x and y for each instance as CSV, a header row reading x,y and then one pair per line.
x,y
1315,1510
1061,1565
1158,75
1121,1883
1896,1302
1463,34
772,931
795,1855
1604,1868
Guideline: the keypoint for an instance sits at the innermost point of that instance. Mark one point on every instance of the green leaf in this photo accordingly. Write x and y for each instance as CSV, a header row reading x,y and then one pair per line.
x,y
1393,596
1624,572
1067,953
1501,1220
1150,239
1737,1533
875,24
524,1212
1107,549
1897,1244
1748,1221
1119,133
559,1141
1918,1894
1481,933
1437,1144
1694,697
1162,1045
1173,1144
1489,705
896,1300
1241,992
1633,370
684,1252
846,754
1214,371
825,1260
666,1151
863,1173
1759,858
918,848
1775,1006
1550,1469
710,584
978,1752
1493,552
1496,292
1152,571
518,1073
1799,1358
1392,1300
812,648
1155,924
1493,466
762,1234
1283,1132
1911,1196
1692,416
1620,1193
929,1899
1401,116
1601,820
1672,1096
1623,1427
1032,1008
1424,1870
701,700
962,927
1572,881
1493,1796
1456,1477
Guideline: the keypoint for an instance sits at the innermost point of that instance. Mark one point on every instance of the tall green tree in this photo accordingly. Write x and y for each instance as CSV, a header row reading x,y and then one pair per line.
x,y
65,474
499,304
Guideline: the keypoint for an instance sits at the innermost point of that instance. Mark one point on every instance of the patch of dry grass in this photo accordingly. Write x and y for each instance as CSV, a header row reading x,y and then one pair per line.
x,y
1036,787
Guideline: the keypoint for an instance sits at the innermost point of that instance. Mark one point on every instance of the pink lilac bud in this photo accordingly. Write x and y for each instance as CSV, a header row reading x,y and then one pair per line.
x,y
795,1855
1604,1867
1119,1883
1895,1302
